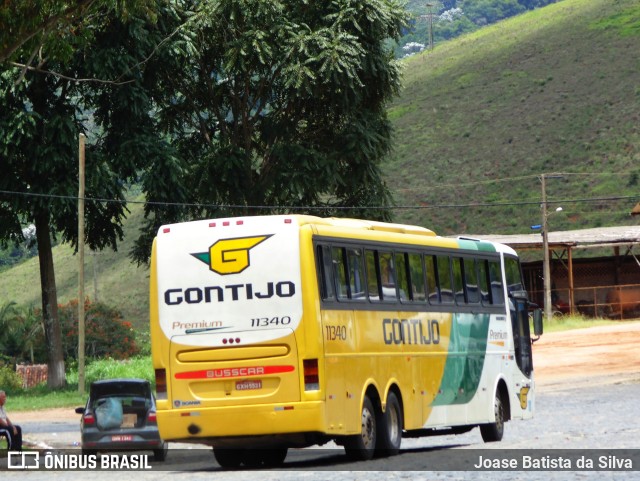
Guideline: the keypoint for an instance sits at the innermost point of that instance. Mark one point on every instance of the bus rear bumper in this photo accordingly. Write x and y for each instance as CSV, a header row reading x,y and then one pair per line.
x,y
293,425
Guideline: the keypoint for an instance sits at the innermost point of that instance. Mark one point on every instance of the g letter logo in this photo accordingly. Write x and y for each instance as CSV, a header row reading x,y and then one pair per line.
x,y
230,256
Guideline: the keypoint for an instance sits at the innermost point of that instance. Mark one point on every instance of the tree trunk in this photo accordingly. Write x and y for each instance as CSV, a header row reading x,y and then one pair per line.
x,y
56,376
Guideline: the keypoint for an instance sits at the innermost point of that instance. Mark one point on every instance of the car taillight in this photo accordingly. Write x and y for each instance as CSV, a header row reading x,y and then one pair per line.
x,y
161,384
89,419
311,378
152,417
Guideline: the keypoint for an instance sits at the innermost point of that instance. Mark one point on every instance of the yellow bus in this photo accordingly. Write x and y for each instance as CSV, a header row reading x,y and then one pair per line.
x,y
273,332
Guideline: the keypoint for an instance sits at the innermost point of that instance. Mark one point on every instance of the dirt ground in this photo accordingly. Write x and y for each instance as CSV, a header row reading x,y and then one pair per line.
x,y
594,355
600,355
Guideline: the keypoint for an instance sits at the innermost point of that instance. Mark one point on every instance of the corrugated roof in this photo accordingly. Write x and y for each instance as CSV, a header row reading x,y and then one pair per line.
x,y
598,237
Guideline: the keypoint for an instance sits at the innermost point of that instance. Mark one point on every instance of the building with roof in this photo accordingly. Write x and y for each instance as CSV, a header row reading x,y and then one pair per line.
x,y
605,286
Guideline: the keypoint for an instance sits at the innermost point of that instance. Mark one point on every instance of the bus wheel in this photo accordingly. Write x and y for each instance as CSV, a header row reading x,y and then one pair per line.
x,y
493,432
361,446
390,435
228,458
273,458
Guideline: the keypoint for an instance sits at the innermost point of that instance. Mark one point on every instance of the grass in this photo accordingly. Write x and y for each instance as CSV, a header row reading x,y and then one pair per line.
x,y
565,323
551,90
41,397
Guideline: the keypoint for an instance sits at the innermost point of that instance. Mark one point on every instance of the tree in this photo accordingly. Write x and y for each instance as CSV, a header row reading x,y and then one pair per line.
x,y
483,12
53,28
40,119
279,103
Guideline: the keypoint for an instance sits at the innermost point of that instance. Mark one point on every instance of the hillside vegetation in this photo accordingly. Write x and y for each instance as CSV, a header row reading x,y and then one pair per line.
x,y
481,117
120,283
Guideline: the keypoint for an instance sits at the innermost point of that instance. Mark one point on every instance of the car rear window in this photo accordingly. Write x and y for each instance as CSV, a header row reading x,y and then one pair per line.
x,y
120,389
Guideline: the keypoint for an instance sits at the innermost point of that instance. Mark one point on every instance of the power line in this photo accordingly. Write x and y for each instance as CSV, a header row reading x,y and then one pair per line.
x,y
519,178
310,207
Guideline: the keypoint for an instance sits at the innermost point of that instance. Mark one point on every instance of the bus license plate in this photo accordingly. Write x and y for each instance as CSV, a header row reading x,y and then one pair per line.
x,y
248,385
119,438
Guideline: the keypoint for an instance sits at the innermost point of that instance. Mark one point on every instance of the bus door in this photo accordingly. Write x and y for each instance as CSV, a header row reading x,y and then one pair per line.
x,y
521,332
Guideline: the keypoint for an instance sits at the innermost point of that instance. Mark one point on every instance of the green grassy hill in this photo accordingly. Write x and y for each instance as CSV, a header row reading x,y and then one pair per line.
x,y
481,117
120,283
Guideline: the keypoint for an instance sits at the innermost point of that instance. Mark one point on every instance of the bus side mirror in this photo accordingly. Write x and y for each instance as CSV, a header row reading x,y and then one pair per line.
x,y
538,327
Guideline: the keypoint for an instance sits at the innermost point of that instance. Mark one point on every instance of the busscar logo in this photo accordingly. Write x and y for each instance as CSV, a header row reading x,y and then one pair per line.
x,y
230,256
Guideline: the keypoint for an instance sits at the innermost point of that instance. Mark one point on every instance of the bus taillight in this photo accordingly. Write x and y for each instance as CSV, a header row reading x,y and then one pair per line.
x,y
311,379
161,384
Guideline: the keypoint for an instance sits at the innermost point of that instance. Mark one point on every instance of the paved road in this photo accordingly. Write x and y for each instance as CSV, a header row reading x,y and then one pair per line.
x,y
596,414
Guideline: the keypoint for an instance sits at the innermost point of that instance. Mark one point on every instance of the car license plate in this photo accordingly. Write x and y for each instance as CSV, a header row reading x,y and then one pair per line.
x,y
248,385
119,438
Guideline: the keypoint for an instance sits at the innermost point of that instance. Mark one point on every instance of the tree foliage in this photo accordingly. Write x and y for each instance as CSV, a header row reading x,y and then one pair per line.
x,y
40,119
452,18
22,337
38,30
278,103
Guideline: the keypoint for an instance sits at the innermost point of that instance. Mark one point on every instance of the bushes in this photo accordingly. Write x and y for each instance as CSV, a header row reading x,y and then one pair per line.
x,y
107,334
9,379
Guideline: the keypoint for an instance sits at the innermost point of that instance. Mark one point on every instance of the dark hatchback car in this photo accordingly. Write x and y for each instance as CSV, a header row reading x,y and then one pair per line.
x,y
121,415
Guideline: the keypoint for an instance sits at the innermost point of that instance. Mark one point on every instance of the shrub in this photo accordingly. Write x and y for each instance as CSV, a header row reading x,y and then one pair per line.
x,y
107,334
21,335
9,380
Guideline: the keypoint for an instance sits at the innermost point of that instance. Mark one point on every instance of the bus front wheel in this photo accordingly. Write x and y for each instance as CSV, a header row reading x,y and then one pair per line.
x,y
494,431
361,446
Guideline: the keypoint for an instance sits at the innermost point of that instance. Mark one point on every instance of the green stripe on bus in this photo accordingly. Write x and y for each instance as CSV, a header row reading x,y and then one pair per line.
x,y
465,359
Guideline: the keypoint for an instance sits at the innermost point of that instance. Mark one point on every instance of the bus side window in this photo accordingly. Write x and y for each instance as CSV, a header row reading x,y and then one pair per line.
x,y
404,280
326,275
483,282
514,276
340,273
458,283
416,277
373,275
356,273
497,293
388,276
471,281
432,282
444,279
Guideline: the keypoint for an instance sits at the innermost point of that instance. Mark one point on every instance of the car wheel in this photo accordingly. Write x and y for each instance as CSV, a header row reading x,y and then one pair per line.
x,y
160,454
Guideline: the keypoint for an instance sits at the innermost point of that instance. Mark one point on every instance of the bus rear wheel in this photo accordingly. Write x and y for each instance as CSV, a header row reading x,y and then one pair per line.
x,y
390,432
494,431
361,447
228,458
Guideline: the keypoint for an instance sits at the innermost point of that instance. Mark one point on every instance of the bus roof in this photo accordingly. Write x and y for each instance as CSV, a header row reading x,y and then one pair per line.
x,y
345,224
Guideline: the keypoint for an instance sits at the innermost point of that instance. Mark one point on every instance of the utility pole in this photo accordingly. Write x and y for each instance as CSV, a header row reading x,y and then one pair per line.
x,y
429,7
81,265
546,268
